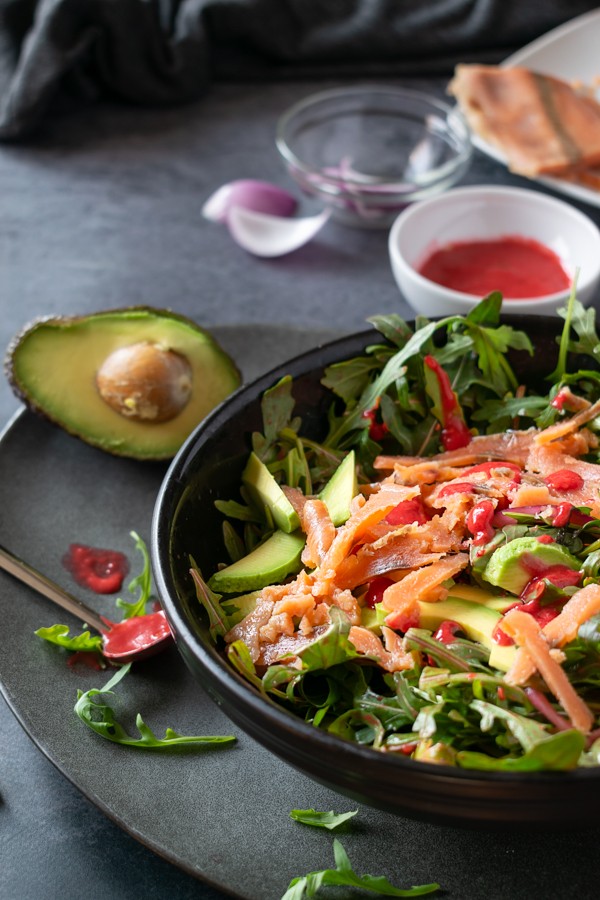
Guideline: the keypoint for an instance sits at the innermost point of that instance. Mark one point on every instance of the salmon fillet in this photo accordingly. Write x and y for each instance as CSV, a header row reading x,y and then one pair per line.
x,y
538,122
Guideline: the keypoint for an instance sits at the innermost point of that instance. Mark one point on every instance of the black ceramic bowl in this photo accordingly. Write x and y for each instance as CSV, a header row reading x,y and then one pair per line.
x,y
186,522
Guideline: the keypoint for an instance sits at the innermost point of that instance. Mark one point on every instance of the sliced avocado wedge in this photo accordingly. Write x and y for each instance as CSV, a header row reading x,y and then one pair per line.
x,y
237,608
513,565
341,489
477,621
134,382
269,563
265,492
476,594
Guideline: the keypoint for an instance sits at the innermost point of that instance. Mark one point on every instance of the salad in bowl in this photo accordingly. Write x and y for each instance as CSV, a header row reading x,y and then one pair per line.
x,y
412,564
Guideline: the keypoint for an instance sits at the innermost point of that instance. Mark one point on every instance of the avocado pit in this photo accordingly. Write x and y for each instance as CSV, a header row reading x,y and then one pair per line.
x,y
145,382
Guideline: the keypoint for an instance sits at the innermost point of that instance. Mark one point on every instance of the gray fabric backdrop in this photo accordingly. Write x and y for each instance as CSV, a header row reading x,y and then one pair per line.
x,y
169,51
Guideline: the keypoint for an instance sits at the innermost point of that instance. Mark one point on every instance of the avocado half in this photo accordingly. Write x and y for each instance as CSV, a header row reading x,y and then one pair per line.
x,y
134,381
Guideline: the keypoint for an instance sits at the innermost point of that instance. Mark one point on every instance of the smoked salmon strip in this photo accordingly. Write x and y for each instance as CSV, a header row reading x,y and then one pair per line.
x,y
527,633
538,122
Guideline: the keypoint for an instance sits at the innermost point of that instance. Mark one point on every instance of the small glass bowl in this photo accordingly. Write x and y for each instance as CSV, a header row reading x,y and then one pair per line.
x,y
368,152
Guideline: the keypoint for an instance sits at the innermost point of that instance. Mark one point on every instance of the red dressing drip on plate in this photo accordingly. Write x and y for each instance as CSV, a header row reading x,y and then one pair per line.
x,y
518,267
101,571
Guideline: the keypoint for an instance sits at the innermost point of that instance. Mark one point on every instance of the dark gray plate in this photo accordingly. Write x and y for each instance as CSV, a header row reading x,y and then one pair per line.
x,y
222,816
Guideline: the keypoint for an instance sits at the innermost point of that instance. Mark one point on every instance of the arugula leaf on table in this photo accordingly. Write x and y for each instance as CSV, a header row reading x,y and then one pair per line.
x,y
100,718
59,634
306,886
329,820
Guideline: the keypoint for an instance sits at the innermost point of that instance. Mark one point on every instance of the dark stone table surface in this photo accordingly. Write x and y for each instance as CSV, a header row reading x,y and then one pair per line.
x,y
102,210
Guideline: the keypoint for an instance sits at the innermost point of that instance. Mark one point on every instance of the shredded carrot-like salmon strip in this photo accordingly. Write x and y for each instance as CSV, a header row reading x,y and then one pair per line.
x,y
527,633
425,583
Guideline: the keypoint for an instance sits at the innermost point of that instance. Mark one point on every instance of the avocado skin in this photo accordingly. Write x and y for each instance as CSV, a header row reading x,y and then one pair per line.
x,y
128,312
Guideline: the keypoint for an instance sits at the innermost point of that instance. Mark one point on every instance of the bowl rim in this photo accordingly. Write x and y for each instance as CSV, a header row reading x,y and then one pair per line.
x,y
227,684
456,123
406,217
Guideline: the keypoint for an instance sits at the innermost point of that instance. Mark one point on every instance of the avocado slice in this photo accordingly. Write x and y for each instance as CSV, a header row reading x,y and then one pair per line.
x,y
134,382
477,621
265,492
341,489
476,594
268,563
237,608
513,565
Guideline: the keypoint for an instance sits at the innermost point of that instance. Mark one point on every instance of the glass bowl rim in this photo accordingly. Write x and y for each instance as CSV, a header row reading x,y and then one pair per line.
x,y
454,119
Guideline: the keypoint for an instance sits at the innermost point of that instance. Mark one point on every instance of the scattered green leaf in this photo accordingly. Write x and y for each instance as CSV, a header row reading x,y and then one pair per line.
x,y
101,719
329,820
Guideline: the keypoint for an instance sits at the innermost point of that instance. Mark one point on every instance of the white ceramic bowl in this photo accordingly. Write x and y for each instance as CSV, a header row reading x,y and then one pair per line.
x,y
482,213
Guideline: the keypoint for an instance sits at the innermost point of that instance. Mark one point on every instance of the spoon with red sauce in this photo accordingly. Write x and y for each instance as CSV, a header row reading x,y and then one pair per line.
x,y
125,641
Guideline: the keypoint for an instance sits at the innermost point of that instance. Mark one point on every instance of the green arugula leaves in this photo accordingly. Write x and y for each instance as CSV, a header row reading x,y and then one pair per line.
x,y
100,718
329,820
81,643
306,886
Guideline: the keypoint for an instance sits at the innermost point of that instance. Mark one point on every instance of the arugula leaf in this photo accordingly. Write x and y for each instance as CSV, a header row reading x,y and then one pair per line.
x,y
392,370
306,886
218,625
277,405
392,327
329,820
359,726
235,510
239,657
557,752
526,730
143,582
590,631
333,646
505,409
573,308
487,311
350,378
100,718
232,542
58,634
491,345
